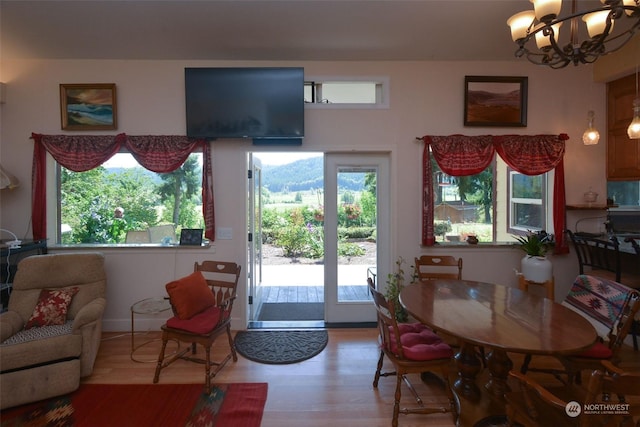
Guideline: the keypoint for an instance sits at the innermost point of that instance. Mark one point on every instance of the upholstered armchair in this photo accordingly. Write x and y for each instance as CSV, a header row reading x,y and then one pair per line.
x,y
51,332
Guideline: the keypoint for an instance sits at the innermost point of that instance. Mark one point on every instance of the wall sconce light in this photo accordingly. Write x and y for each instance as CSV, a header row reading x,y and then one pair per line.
x,y
591,136
7,180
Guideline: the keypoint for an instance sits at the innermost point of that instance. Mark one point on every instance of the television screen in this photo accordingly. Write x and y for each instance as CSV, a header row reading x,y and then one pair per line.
x,y
245,102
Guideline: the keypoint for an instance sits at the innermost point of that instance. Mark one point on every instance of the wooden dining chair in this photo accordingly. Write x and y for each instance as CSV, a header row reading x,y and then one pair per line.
x,y
635,327
412,348
634,243
432,267
530,404
429,267
596,256
202,304
610,307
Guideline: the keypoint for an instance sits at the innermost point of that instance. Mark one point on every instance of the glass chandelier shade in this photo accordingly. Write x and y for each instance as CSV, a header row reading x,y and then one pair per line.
x,y
544,21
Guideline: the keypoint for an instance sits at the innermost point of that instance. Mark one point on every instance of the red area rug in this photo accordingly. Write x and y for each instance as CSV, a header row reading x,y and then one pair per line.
x,y
142,405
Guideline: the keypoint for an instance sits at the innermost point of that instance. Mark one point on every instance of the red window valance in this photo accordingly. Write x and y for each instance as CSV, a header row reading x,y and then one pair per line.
x,y
460,155
80,153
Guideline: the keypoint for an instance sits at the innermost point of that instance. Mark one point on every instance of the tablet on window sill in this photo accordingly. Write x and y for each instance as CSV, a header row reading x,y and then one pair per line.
x,y
191,237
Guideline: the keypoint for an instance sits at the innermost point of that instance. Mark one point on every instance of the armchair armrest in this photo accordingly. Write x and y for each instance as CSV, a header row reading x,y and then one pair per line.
x,y
89,313
611,368
10,324
530,388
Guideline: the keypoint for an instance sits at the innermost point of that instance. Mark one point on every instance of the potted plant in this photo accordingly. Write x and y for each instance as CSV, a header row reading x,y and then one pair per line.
x,y
535,265
352,211
395,283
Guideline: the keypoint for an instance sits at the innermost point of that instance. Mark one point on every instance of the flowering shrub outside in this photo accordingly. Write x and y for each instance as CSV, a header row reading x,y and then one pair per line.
x,y
299,235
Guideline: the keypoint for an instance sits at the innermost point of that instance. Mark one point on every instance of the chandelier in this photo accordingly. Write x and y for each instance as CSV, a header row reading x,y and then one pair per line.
x,y
543,24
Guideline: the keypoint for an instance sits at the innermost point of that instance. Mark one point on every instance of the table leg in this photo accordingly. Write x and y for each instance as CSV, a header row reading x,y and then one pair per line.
x,y
469,365
499,366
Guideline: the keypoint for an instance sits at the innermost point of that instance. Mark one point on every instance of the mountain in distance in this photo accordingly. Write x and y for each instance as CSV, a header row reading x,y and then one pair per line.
x,y
305,174
155,178
300,175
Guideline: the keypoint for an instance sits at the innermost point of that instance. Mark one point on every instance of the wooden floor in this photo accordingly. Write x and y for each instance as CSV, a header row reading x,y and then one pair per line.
x,y
333,388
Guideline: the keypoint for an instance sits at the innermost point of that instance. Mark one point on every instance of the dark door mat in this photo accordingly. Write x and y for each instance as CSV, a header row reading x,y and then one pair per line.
x,y
292,311
280,347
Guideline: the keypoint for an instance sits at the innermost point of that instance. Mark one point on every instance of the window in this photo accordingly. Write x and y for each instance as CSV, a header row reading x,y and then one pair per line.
x,y
122,202
527,202
517,201
486,206
623,193
464,205
332,92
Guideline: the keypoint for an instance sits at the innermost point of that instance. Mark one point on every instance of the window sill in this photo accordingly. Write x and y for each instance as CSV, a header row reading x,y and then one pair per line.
x,y
101,246
499,245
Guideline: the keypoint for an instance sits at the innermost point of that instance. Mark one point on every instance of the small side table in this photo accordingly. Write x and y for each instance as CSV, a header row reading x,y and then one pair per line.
x,y
549,286
146,306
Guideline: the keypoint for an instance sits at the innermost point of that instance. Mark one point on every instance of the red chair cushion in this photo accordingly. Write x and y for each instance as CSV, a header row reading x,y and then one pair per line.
x,y
419,343
201,323
190,295
598,351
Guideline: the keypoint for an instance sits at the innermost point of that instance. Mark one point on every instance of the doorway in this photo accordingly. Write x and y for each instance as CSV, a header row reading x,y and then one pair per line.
x,y
291,247
356,201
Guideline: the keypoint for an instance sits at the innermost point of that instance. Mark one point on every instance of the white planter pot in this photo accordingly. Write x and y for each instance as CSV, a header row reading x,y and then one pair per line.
x,y
536,268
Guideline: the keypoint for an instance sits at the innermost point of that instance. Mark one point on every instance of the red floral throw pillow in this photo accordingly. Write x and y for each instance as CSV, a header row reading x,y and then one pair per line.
x,y
51,308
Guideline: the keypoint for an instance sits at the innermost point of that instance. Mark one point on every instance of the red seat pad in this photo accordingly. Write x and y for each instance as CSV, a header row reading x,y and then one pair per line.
x,y
416,328
597,351
200,323
420,343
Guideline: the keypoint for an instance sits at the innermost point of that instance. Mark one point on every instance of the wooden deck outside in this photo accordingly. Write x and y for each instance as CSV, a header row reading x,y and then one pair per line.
x,y
295,294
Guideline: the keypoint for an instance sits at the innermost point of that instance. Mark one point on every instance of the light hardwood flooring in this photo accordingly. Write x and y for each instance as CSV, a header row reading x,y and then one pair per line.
x,y
334,388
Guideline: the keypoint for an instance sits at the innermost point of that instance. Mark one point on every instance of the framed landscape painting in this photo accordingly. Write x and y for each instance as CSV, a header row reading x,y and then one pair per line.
x,y
88,106
495,101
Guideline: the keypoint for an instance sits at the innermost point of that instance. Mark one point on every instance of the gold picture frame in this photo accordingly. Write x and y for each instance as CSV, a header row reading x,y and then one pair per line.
x,y
88,106
495,101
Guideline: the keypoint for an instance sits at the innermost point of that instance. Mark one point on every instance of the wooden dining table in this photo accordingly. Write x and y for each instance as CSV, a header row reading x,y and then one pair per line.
x,y
497,319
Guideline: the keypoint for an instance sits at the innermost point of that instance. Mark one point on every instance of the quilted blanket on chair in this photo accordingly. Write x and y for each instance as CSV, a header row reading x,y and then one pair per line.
x,y
599,298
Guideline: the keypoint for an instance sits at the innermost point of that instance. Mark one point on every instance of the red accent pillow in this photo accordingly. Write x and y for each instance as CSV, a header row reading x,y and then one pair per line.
x,y
201,323
51,308
190,295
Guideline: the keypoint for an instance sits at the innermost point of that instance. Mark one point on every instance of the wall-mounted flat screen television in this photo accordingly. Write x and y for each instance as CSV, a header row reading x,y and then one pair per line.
x,y
262,103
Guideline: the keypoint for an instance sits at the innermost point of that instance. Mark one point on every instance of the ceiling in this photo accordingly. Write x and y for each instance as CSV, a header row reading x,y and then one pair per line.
x,y
261,29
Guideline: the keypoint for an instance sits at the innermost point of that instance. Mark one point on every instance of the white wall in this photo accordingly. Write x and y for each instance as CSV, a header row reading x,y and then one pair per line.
x,y
426,98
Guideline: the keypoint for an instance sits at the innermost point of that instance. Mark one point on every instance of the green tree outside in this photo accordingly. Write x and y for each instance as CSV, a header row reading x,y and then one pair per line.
x,y
90,200
180,187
